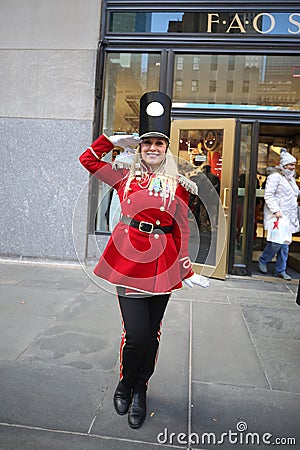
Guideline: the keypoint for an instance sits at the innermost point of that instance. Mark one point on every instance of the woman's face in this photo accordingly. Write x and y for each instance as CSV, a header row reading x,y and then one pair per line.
x,y
291,166
153,151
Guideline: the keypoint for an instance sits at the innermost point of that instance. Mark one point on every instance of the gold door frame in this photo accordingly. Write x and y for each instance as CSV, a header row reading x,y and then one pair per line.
x,y
228,127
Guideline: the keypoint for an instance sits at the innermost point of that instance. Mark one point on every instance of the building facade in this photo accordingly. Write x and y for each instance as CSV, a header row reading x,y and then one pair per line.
x,y
233,73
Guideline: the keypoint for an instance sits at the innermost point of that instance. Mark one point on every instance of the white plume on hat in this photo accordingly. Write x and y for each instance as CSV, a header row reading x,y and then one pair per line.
x,y
286,158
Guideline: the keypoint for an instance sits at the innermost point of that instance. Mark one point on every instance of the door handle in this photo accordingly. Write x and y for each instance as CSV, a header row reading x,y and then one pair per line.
x,y
224,203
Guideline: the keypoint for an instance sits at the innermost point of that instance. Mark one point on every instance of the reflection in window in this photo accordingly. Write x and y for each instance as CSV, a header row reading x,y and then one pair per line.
x,y
212,86
195,85
145,22
178,85
270,81
246,86
128,77
231,62
249,23
214,62
241,222
196,63
229,87
180,60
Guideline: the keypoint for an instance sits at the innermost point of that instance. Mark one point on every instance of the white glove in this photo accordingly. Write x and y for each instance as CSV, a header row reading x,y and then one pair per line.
x,y
127,156
128,151
199,280
124,140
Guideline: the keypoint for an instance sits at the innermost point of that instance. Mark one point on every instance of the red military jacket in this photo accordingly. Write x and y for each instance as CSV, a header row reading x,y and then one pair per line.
x,y
154,262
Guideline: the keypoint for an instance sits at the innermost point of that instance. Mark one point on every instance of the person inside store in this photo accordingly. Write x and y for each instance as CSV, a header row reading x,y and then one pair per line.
x,y
281,199
240,210
215,181
147,255
213,145
206,214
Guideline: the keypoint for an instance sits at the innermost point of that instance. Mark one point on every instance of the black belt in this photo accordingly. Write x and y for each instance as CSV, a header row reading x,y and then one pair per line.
x,y
145,227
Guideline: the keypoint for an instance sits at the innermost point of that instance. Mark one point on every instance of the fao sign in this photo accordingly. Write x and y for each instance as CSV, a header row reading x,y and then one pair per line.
x,y
262,23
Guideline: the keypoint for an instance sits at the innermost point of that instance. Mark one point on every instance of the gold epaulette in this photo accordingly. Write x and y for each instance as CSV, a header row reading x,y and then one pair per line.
x,y
189,185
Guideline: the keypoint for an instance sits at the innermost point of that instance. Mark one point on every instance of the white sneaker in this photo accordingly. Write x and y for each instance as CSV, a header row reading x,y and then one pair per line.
x,y
282,275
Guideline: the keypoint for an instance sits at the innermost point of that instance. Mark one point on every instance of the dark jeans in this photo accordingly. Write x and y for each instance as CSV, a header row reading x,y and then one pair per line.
x,y
280,250
140,338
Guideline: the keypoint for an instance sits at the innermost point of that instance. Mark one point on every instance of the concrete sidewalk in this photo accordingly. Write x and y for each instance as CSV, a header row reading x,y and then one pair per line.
x,y
229,360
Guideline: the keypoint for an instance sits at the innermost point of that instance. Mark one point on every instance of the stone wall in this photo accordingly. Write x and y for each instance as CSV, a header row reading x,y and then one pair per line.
x,y
47,71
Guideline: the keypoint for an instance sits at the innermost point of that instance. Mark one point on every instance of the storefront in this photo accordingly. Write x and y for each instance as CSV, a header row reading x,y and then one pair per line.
x,y
233,73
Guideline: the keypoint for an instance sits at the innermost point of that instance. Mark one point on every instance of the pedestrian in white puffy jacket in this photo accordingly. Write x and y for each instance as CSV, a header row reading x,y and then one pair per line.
x,y
281,199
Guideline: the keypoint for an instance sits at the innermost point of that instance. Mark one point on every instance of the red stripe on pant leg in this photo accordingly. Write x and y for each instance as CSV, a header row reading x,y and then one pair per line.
x,y
122,345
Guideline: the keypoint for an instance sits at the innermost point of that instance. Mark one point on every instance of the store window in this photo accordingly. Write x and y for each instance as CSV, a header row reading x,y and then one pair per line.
x,y
128,77
259,81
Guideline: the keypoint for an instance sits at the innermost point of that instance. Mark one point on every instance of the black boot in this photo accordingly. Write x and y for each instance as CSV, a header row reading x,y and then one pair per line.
x,y
137,409
122,399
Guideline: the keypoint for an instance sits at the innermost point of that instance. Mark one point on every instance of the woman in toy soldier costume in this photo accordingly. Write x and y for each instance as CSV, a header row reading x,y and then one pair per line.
x,y
147,254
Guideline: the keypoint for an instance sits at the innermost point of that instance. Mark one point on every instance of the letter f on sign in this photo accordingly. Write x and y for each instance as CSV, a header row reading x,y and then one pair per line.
x,y
210,21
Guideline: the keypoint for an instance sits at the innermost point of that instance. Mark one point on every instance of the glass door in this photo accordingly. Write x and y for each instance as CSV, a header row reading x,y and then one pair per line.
x,y
246,199
205,148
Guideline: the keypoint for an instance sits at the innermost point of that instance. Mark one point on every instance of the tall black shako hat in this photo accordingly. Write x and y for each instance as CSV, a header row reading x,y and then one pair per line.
x,y
155,115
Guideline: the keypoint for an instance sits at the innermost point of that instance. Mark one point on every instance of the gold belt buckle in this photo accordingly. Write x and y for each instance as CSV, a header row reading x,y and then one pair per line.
x,y
141,224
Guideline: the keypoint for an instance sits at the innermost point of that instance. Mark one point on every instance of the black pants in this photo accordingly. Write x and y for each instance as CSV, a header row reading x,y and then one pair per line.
x,y
140,338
